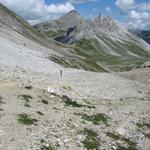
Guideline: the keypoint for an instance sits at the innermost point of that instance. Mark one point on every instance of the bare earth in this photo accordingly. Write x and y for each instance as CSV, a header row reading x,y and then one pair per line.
x,y
124,98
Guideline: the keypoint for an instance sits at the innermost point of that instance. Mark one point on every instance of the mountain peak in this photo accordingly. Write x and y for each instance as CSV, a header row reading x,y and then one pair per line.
x,y
72,12
107,23
70,19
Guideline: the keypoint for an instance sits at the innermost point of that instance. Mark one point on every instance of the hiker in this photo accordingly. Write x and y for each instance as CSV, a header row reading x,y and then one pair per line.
x,y
61,73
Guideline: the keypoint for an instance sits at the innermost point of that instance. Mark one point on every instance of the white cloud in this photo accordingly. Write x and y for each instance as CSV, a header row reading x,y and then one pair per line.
x,y
108,9
37,10
124,4
139,20
81,1
143,6
138,14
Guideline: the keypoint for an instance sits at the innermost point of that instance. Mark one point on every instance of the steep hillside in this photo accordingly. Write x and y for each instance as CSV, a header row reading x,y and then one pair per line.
x,y
20,45
102,43
11,22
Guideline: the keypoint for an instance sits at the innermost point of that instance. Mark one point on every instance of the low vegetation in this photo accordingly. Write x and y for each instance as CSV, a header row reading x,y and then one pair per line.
x,y
68,102
95,119
27,105
91,141
44,101
28,87
113,135
127,143
143,127
46,146
143,124
54,34
68,88
27,98
26,119
40,113
92,56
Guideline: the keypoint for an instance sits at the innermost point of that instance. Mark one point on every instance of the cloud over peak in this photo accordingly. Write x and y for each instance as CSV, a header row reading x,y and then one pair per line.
x,y
36,11
124,4
138,14
81,1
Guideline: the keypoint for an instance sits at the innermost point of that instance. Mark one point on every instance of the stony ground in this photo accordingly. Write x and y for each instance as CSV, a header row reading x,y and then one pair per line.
x,y
80,110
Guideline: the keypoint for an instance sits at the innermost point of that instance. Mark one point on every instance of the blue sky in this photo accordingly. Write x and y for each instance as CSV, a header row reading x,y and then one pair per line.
x,y
133,14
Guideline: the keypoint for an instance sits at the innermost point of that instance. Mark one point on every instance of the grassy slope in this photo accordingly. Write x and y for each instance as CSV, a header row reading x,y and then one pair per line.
x,y
54,34
93,58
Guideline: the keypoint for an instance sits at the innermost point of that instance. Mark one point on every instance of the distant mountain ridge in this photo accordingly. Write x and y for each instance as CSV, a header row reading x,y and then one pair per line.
x,y
101,42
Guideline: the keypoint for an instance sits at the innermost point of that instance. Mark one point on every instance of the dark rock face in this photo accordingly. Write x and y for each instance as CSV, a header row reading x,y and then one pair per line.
x,y
144,35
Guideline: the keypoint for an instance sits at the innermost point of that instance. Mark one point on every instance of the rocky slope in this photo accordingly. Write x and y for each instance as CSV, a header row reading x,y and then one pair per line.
x,y
102,43
84,111
12,22
80,110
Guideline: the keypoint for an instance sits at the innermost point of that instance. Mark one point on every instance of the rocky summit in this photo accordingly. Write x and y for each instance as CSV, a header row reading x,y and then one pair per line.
x,y
100,44
73,84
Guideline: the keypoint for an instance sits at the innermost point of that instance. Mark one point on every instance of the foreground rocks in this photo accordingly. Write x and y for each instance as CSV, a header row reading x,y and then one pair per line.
x,y
84,111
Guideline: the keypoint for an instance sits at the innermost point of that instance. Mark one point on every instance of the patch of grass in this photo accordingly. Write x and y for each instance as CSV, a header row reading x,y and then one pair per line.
x,y
27,105
142,125
81,63
124,148
147,135
68,102
88,106
91,142
56,108
95,119
27,98
113,135
44,101
130,144
28,87
26,119
46,146
67,88
54,34
40,113
55,95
